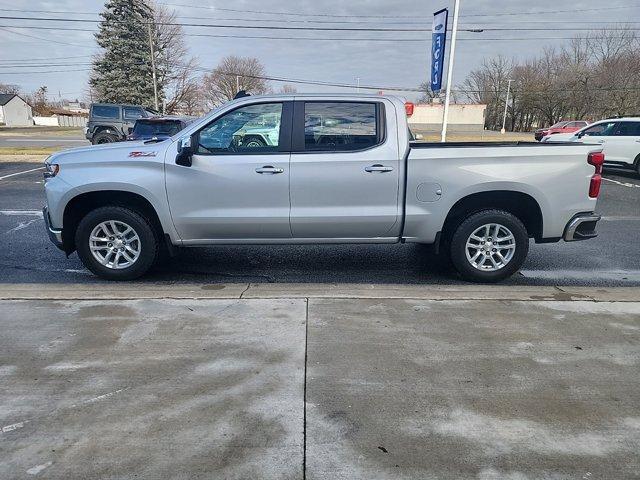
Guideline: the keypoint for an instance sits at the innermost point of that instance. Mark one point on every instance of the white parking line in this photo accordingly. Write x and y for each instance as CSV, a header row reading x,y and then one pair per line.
x,y
21,213
50,140
23,172
624,184
21,226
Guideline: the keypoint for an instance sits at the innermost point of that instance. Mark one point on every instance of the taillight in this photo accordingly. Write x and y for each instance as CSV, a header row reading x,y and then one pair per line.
x,y
597,160
408,108
594,186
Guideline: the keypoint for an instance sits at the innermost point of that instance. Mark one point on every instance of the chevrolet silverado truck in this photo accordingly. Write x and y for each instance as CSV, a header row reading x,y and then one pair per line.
x,y
354,177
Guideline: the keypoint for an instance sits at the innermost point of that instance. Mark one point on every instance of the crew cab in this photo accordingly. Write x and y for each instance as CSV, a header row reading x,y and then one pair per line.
x,y
619,138
341,170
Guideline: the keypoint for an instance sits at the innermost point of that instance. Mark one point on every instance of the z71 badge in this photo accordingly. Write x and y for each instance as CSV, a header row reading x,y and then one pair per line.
x,y
142,154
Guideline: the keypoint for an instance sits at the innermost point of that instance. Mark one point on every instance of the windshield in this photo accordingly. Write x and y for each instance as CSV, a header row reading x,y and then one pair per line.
x,y
150,128
559,124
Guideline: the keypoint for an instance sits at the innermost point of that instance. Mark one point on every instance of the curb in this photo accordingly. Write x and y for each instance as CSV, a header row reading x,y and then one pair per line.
x,y
134,291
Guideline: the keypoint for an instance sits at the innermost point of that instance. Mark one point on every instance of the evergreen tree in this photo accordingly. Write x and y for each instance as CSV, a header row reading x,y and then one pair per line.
x,y
123,72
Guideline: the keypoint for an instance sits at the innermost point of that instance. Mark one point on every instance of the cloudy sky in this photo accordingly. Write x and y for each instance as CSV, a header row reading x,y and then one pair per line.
x,y
516,28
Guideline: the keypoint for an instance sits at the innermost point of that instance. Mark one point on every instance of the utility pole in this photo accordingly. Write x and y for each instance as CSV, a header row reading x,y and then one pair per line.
x,y
506,104
447,98
153,68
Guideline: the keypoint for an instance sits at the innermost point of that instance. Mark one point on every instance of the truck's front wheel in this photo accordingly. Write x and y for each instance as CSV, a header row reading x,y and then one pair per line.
x,y
116,243
489,246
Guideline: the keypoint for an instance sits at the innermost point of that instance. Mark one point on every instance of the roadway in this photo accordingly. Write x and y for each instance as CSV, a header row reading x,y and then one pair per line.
x,y
26,255
43,140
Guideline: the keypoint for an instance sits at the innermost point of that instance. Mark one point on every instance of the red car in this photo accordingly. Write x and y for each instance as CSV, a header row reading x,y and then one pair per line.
x,y
566,126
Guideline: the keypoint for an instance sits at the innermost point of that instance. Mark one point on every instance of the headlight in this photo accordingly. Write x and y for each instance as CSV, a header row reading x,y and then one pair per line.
x,y
51,170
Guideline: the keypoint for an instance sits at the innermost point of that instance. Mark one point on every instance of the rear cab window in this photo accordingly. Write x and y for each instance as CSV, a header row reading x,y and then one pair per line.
x,y
337,126
106,111
154,127
133,113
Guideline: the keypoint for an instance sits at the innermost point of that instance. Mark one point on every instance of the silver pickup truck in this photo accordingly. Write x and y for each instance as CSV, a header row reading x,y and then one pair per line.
x,y
339,169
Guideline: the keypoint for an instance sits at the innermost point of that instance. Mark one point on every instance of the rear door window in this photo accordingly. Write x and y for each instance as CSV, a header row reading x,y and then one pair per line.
x,y
341,126
628,129
106,111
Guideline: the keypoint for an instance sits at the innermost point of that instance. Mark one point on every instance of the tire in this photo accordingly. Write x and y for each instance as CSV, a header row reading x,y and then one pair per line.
x,y
500,261
116,264
254,142
103,137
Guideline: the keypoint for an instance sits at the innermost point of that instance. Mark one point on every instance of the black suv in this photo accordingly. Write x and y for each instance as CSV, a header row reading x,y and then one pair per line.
x,y
110,122
158,128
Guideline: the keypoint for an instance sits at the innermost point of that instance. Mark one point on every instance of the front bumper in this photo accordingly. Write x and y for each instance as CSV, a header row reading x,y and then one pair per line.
x,y
54,235
581,227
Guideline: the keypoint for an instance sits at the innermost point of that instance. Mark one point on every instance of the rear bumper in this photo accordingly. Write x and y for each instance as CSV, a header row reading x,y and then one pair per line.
x,y
581,227
54,235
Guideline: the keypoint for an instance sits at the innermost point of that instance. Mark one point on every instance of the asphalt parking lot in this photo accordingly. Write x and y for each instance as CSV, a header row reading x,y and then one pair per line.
x,y
611,259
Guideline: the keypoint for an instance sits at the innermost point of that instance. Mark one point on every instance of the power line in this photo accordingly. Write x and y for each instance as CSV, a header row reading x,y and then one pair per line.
x,y
45,72
341,29
315,39
270,20
298,14
48,40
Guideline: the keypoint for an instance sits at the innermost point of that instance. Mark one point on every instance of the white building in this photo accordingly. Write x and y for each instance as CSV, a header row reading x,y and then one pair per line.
x,y
14,111
462,117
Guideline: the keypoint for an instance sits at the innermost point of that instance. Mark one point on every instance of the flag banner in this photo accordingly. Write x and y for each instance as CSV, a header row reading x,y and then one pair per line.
x,y
438,39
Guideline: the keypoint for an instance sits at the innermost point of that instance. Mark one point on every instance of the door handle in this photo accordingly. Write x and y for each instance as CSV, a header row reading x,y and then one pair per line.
x,y
600,141
378,168
269,170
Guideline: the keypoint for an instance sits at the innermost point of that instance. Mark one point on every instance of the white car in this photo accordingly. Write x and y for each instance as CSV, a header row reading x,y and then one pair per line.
x,y
619,137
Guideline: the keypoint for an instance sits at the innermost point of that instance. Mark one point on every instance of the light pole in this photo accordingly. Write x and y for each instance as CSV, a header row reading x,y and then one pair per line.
x,y
357,84
153,67
447,98
506,104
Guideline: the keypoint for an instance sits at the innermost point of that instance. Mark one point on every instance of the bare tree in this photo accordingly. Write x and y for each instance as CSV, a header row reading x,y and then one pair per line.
x,y
232,75
176,70
286,88
592,77
9,88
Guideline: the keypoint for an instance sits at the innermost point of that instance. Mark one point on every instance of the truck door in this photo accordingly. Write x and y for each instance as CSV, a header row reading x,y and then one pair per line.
x,y
345,170
235,188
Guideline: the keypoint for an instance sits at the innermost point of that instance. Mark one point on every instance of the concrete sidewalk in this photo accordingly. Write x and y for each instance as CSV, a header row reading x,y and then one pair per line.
x,y
274,381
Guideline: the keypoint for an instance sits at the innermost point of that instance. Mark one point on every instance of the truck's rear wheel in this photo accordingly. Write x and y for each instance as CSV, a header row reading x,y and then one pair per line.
x,y
489,246
116,243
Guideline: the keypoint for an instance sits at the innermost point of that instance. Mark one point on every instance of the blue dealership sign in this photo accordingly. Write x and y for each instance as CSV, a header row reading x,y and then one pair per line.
x,y
439,39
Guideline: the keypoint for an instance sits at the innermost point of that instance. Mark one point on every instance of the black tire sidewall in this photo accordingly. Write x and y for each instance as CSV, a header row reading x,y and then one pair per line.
x,y
468,226
96,139
142,227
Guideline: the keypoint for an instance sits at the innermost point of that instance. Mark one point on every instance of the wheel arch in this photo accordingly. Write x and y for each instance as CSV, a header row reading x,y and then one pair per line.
x,y
520,204
85,202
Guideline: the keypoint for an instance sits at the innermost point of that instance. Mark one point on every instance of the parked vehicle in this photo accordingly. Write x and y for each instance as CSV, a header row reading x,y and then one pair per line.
x,y
353,178
110,123
619,138
158,128
560,127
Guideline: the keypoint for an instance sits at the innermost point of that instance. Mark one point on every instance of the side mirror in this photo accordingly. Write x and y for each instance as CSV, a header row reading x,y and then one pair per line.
x,y
130,130
419,136
185,152
580,135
